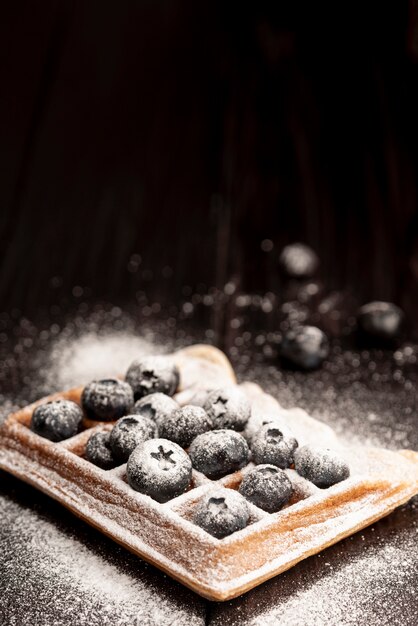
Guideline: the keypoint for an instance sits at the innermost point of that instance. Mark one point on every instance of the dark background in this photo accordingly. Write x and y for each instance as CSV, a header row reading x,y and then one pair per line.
x,y
148,149
186,133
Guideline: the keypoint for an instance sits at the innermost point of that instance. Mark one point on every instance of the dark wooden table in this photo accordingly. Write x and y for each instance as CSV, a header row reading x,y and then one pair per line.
x,y
57,570
159,156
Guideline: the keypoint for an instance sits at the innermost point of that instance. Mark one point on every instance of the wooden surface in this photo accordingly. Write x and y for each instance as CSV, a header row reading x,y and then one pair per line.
x,y
148,149
348,397
177,132
328,517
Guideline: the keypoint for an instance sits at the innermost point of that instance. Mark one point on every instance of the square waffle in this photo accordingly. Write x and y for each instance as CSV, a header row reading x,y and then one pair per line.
x,y
165,535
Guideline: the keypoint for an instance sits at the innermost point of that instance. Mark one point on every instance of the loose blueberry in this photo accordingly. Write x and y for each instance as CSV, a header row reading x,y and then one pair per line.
x,y
128,433
107,400
57,420
228,408
159,468
298,261
305,347
98,451
219,452
381,320
184,424
222,513
270,446
321,466
153,374
156,406
267,487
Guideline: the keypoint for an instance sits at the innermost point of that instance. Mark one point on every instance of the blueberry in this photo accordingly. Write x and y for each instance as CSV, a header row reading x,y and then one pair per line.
x,y
266,486
320,466
128,433
381,320
228,408
199,398
156,406
184,424
107,400
270,445
298,261
160,469
57,420
305,347
98,451
222,513
152,374
219,452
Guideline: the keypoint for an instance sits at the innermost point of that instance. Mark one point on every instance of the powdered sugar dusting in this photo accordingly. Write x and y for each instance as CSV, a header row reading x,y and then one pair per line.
x,y
54,577
344,596
366,585
96,356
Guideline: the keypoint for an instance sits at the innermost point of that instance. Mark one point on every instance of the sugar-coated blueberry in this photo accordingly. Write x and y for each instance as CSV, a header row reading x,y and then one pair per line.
x,y
57,420
107,399
381,320
199,398
222,513
321,466
156,406
159,468
228,408
298,260
129,432
153,374
219,452
305,347
266,486
98,451
270,445
185,424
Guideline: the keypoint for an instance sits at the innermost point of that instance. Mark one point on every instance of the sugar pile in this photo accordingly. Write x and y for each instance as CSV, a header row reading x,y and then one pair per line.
x,y
96,356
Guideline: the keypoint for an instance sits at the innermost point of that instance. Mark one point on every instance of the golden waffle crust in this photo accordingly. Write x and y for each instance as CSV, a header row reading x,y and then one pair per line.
x,y
164,534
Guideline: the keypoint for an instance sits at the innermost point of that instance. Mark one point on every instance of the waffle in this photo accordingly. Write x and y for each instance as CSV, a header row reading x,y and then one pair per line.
x,y
164,534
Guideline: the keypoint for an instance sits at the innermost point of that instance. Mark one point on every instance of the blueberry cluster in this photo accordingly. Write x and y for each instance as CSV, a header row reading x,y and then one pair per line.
x,y
379,324
152,430
270,447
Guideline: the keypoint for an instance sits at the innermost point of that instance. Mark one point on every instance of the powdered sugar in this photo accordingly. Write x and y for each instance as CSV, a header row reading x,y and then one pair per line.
x,y
53,578
95,356
349,588
380,481
363,585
